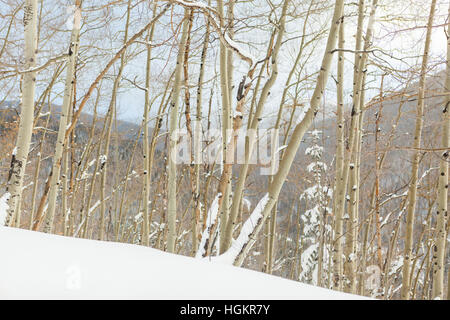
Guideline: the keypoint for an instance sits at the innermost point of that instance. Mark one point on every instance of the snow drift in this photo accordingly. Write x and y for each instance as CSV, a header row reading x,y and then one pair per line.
x,y
44,266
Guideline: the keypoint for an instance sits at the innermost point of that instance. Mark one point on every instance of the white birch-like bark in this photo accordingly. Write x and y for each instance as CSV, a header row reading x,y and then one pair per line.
x,y
412,191
338,219
173,125
442,213
20,154
146,155
60,141
341,191
226,116
196,228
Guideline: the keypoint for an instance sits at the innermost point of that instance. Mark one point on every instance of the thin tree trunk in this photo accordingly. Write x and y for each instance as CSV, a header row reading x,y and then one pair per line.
x,y
338,218
412,192
172,172
112,111
60,142
20,153
196,228
341,191
41,146
226,119
442,214
377,179
146,176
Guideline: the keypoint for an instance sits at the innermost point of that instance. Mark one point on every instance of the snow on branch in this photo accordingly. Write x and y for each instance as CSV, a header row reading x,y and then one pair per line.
x,y
193,4
210,222
216,21
245,55
247,230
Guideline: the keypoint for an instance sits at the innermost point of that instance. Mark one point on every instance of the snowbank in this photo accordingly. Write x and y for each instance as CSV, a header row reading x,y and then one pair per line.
x,y
38,265
3,208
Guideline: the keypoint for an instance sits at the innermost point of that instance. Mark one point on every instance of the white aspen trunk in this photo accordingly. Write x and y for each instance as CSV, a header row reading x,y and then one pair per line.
x,y
338,219
20,154
173,125
351,168
66,163
412,192
341,192
271,239
442,214
225,76
377,181
146,176
229,68
196,228
352,224
60,141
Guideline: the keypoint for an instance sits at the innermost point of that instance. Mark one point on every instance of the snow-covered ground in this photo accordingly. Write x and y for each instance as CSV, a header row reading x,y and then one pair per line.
x,y
39,265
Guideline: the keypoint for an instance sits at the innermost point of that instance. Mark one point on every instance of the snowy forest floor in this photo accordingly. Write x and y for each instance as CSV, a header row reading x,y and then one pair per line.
x,y
43,266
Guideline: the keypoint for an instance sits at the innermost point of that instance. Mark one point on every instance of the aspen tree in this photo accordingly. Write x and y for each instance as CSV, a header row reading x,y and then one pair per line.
x,y
351,167
60,142
442,212
99,163
116,56
20,154
341,190
146,155
338,218
173,124
112,111
92,87
198,116
194,137
351,235
64,178
118,224
156,129
297,135
81,170
350,267
38,163
229,82
271,222
225,76
230,29
448,284
238,192
412,190
377,178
